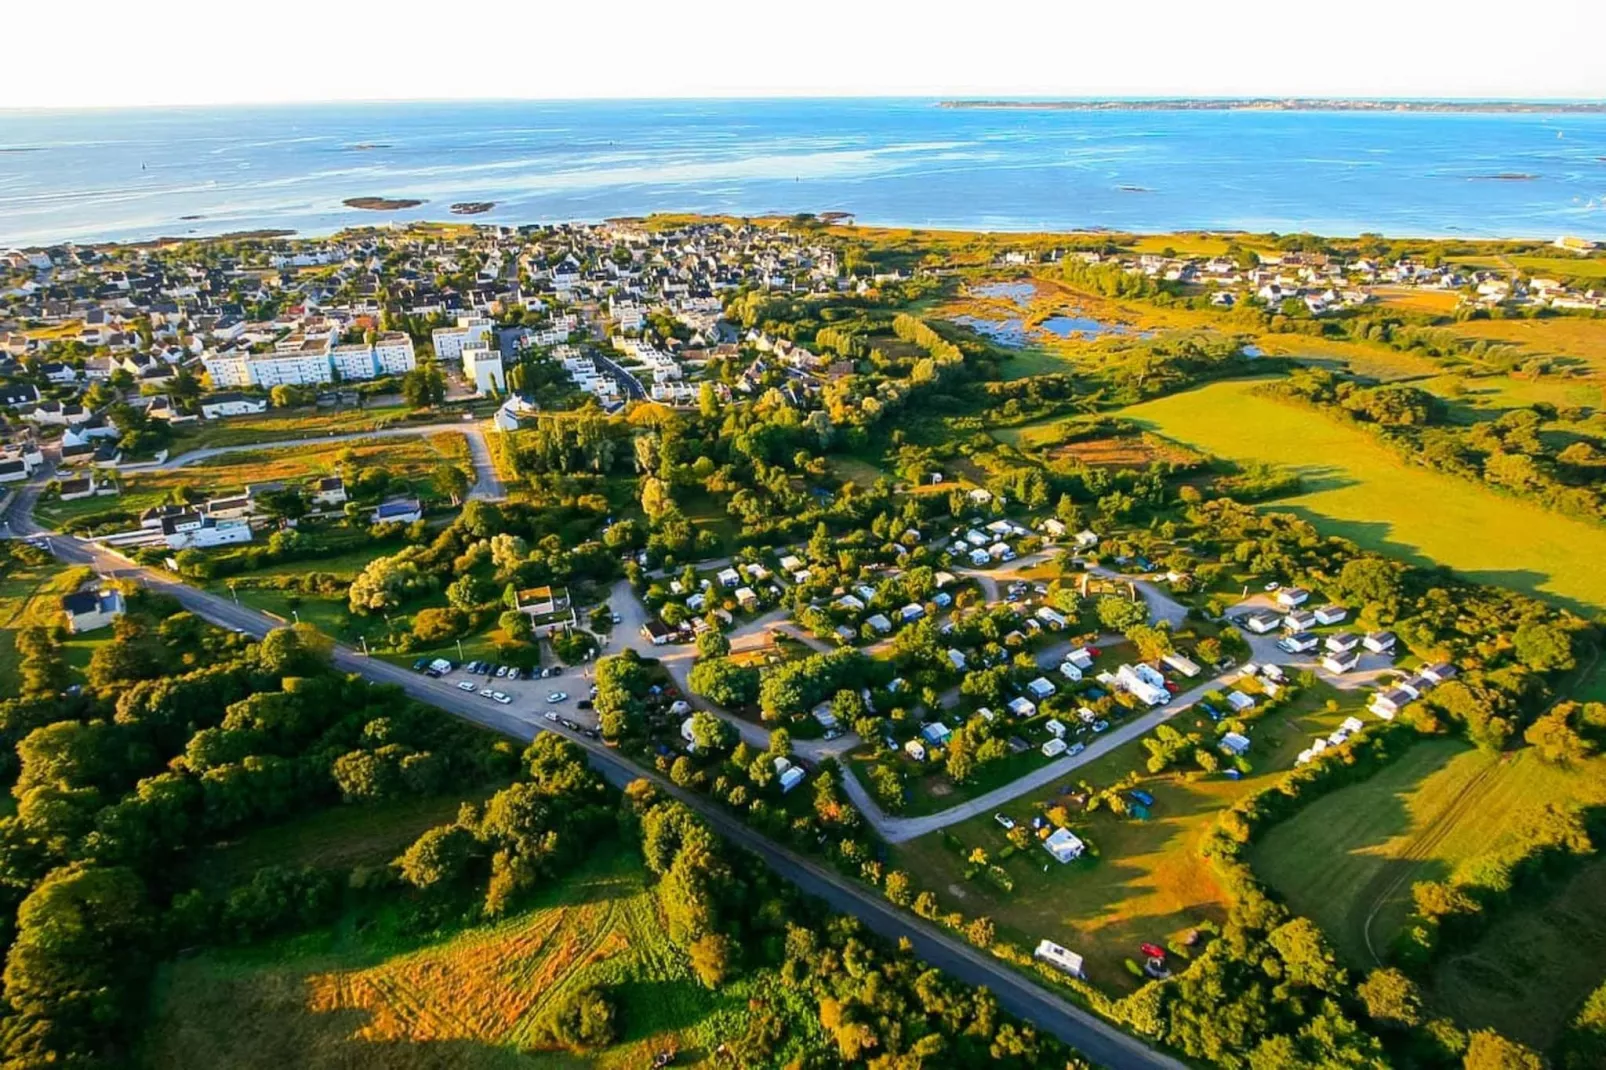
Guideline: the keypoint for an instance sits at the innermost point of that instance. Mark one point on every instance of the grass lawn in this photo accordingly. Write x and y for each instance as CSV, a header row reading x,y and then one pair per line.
x,y
1360,490
280,425
350,998
410,461
348,836
1349,859
1149,882
1526,975
1578,337
1035,360
31,596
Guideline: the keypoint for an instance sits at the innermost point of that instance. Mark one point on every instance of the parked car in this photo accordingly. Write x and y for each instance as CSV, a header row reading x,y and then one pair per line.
x,y
557,696
1099,726
420,665
486,692
551,715
570,725
465,685
498,696
1074,749
584,704
501,671
1005,821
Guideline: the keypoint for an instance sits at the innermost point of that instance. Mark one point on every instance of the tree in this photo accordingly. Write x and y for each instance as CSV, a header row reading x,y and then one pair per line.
x,y
451,482
424,387
710,734
1119,614
1544,647
710,958
1391,998
440,857
585,1020
713,644
1554,737
656,500
724,682
1488,1050
438,625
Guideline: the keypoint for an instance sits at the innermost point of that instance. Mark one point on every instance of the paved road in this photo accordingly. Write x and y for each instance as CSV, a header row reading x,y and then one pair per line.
x,y
1095,1038
487,487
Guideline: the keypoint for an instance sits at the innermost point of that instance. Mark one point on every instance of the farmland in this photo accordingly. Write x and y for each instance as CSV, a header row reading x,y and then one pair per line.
x,y
278,425
1349,859
1358,489
479,997
1149,882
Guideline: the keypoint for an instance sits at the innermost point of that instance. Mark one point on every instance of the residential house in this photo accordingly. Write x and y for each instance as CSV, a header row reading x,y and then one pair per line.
x,y
90,610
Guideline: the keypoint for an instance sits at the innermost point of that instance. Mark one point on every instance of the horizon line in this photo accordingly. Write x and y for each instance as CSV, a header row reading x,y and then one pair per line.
x,y
1025,98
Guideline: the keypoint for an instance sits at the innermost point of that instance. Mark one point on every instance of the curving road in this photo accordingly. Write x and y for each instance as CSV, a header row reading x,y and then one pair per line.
x,y
1092,1036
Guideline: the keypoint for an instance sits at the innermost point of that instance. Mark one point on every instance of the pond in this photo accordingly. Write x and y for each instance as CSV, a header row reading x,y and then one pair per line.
x,y
1065,325
1010,333
1019,292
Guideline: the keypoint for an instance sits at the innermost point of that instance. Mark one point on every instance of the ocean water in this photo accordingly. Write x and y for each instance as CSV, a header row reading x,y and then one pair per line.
x,y
100,175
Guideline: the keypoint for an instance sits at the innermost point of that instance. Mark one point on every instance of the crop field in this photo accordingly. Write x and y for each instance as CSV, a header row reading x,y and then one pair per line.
x,y
348,1000
1356,488
1148,882
1348,860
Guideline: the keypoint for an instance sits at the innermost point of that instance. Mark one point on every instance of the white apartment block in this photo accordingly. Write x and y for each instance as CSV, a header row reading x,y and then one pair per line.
x,y
393,354
482,366
309,362
450,341
289,369
353,361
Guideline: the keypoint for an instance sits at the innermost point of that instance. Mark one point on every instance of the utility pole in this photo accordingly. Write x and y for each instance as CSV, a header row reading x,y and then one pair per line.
x,y
235,593
364,640
460,650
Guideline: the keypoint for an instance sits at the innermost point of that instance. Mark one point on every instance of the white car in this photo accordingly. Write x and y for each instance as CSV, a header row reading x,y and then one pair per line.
x,y
557,696
1273,585
1005,821
551,715
498,696
1099,726
487,693
465,685
617,619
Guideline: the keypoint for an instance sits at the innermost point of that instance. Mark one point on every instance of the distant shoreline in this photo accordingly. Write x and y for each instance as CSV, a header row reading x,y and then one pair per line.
x,y
1528,107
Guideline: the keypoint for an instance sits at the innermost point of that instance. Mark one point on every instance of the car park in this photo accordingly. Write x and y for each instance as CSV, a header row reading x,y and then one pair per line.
x,y
570,725
501,671
486,692
551,715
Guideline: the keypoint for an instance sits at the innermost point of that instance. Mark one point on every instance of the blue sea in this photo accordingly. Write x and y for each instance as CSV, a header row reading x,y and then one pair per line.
x,y
137,174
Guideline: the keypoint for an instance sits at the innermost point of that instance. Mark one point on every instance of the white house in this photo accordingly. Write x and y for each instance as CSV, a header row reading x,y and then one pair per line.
x,y
1070,670
1292,596
1300,642
229,403
88,610
956,658
1379,642
1262,622
1341,642
398,510
1022,706
193,531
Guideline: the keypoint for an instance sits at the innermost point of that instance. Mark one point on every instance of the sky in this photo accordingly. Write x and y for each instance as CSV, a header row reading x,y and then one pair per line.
x,y
112,53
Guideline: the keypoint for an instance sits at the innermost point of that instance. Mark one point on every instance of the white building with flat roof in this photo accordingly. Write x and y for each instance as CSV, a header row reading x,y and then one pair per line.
x,y
451,341
482,366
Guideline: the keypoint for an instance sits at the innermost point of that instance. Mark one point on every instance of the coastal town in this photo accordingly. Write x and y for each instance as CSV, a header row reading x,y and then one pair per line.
x,y
757,510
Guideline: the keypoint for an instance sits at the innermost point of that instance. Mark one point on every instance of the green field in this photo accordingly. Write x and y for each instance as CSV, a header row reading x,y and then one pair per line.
x,y
1349,859
278,425
1360,490
1149,882
350,998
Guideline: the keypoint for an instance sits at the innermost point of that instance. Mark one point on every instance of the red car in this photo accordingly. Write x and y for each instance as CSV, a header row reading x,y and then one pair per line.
x,y
1151,951
1171,687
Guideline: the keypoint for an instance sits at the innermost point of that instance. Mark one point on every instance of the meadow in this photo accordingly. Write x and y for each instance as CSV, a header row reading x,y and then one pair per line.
x,y
1348,860
280,425
352,997
1581,338
1149,882
1358,489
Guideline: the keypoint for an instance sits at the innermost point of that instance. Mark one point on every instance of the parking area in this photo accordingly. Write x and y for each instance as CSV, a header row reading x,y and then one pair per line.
x,y
564,692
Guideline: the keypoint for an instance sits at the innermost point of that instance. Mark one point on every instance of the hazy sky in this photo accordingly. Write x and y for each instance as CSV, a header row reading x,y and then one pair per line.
x,y
112,52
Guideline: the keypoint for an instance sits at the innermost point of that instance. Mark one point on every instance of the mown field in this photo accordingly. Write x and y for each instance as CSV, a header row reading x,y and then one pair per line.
x,y
478,998
1148,882
1349,859
1360,490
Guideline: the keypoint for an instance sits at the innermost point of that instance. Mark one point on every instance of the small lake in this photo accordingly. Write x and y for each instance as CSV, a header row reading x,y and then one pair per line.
x,y
1088,329
1021,293
1010,333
